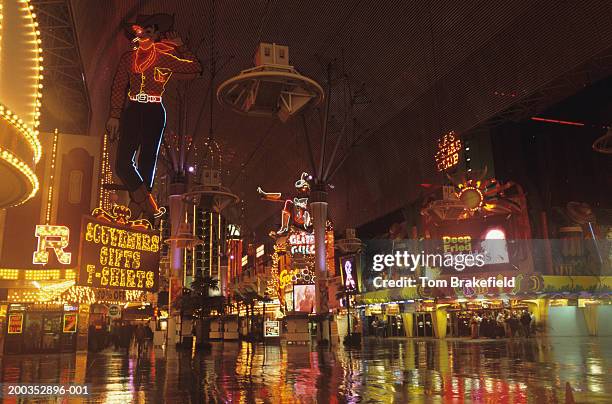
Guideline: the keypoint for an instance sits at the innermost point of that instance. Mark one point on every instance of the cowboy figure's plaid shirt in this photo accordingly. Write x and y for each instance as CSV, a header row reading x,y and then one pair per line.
x,y
147,71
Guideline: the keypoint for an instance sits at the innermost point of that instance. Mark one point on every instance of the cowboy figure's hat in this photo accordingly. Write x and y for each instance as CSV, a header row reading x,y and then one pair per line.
x,y
163,23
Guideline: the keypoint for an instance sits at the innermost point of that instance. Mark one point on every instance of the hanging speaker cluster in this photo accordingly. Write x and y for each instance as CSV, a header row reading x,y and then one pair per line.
x,y
272,88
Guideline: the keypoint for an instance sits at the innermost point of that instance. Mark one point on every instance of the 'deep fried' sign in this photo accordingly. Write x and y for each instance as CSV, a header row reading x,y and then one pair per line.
x,y
115,256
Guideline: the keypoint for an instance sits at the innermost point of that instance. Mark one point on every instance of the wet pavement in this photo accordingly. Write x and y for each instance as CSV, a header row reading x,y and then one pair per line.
x,y
382,371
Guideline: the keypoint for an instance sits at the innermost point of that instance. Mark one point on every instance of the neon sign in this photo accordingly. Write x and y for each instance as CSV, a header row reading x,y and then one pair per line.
x,y
472,197
457,244
15,323
449,147
301,243
295,212
116,256
349,272
54,238
272,329
286,277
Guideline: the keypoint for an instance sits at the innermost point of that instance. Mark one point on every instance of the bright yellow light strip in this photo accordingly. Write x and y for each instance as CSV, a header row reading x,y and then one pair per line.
x,y
106,176
25,170
36,274
23,296
28,133
87,295
1,18
101,190
9,274
219,248
42,274
50,193
30,17
210,241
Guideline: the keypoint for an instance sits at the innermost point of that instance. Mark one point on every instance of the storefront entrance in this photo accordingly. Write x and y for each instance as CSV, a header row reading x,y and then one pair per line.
x,y
396,326
32,329
460,316
422,325
459,323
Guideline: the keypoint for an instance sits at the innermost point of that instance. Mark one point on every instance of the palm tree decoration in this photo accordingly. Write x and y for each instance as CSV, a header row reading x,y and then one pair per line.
x,y
202,286
248,298
197,300
199,303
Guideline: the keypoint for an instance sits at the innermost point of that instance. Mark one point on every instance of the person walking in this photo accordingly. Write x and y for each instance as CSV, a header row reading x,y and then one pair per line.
x,y
125,335
384,327
116,335
513,323
139,336
501,330
474,325
526,323
148,336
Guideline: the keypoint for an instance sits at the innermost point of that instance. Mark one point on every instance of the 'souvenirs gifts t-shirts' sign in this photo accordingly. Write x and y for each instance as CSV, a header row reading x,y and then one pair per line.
x,y
115,256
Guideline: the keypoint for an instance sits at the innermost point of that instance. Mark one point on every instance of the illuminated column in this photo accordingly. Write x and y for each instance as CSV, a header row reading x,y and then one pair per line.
x,y
176,252
82,328
318,207
175,202
80,367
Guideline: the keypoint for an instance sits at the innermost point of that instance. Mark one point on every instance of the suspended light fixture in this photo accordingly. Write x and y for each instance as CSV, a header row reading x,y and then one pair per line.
x,y
272,88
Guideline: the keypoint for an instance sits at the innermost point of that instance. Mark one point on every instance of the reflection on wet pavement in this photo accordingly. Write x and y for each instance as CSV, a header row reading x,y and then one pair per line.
x,y
383,371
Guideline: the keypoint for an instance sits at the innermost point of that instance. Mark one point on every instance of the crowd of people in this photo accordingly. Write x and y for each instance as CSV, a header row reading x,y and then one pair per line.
x,y
121,336
379,328
502,324
124,334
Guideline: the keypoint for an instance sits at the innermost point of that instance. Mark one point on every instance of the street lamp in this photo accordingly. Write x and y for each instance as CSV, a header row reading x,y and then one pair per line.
x,y
266,298
349,245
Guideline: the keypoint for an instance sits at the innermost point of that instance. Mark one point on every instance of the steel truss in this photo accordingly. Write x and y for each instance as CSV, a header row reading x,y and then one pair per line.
x,y
66,103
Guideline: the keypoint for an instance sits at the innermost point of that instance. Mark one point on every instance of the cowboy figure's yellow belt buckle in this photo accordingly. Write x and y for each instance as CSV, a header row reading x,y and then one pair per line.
x,y
142,97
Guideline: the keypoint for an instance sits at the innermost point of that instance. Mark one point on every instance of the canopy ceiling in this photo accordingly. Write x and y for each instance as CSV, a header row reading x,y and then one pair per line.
x,y
419,68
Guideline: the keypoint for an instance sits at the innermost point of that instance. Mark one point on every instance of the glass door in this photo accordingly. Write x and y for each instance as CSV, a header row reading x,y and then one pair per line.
x,y
52,331
423,326
33,332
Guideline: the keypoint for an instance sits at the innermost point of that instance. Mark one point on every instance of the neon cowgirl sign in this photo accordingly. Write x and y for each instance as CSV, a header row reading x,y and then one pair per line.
x,y
301,243
295,212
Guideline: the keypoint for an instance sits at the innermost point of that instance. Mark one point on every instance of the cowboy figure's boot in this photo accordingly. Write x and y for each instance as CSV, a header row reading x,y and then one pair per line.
x,y
143,200
136,201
